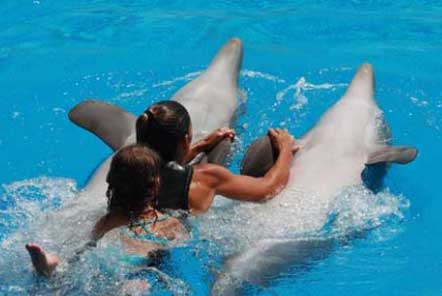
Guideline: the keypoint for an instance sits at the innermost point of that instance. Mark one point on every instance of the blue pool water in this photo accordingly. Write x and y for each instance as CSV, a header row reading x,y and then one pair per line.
x,y
299,56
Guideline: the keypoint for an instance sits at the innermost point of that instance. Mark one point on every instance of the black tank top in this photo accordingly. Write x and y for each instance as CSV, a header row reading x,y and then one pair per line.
x,y
175,183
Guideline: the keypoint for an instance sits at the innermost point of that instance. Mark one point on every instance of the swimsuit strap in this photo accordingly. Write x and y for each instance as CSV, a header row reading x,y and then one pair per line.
x,y
144,223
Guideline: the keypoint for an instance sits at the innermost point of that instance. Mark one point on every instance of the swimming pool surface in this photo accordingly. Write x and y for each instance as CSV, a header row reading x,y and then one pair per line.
x,y
298,58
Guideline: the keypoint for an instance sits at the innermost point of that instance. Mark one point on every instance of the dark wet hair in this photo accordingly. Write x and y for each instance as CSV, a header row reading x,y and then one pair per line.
x,y
162,126
133,180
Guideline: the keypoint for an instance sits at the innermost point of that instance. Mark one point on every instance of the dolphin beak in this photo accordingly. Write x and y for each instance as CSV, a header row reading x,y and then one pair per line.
x,y
235,42
235,48
362,86
228,60
236,45
366,70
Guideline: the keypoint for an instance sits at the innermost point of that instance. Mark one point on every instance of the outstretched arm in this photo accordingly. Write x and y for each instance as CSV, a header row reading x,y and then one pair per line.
x,y
212,179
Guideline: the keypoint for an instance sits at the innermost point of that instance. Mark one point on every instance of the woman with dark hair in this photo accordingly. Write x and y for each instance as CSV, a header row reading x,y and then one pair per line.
x,y
133,186
134,182
166,127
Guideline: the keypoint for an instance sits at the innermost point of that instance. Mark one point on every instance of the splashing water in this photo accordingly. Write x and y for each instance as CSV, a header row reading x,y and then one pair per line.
x,y
185,78
302,86
299,215
53,213
258,74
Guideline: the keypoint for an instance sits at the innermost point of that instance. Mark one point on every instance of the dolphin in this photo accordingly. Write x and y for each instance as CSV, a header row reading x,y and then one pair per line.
x,y
351,135
215,90
211,100
349,138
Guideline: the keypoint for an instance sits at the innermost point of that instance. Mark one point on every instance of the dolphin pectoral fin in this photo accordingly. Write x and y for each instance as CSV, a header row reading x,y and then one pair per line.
x,y
389,154
110,123
219,153
259,158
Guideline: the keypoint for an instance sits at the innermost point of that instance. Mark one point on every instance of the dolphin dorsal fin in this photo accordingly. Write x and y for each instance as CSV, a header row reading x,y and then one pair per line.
x,y
259,158
389,154
110,123
217,155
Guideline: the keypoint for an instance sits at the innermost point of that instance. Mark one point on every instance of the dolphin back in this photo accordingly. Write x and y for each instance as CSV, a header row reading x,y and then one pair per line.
x,y
271,258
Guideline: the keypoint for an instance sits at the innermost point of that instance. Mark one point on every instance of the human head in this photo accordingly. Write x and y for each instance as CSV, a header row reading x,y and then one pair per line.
x,y
133,180
166,128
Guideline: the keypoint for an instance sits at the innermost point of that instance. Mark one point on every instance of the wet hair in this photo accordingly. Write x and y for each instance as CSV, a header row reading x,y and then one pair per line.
x,y
162,126
133,180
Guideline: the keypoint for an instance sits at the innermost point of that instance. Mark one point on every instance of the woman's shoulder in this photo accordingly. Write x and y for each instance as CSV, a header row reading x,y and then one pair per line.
x,y
170,228
106,224
210,174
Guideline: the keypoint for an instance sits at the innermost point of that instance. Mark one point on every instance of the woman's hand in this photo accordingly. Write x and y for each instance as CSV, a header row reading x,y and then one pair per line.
x,y
282,140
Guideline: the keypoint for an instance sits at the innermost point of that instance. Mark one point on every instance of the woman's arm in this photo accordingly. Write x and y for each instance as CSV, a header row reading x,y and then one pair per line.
x,y
210,179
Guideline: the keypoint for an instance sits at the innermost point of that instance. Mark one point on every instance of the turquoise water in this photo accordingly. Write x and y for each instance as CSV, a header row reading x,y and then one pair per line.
x,y
298,58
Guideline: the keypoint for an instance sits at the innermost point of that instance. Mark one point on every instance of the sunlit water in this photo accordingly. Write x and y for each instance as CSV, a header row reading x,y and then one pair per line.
x,y
299,58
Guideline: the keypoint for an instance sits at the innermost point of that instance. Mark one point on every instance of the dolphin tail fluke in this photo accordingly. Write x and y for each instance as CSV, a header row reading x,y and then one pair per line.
x,y
110,123
362,85
389,154
259,158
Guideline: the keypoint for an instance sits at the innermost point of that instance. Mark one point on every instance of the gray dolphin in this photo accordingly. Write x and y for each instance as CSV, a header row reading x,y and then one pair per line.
x,y
349,137
211,100
216,89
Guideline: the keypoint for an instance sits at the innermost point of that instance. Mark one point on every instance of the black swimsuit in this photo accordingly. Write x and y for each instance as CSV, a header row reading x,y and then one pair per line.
x,y
175,184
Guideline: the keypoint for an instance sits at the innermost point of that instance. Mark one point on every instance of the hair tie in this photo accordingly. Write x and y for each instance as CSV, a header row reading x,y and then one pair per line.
x,y
148,114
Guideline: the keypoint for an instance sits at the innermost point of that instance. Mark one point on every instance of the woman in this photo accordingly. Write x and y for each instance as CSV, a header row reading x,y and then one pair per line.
x,y
166,128
133,185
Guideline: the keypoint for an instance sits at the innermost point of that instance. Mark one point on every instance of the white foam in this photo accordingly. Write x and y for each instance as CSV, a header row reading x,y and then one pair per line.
x,y
15,114
298,214
186,77
419,102
302,86
51,212
257,74
135,93
431,110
